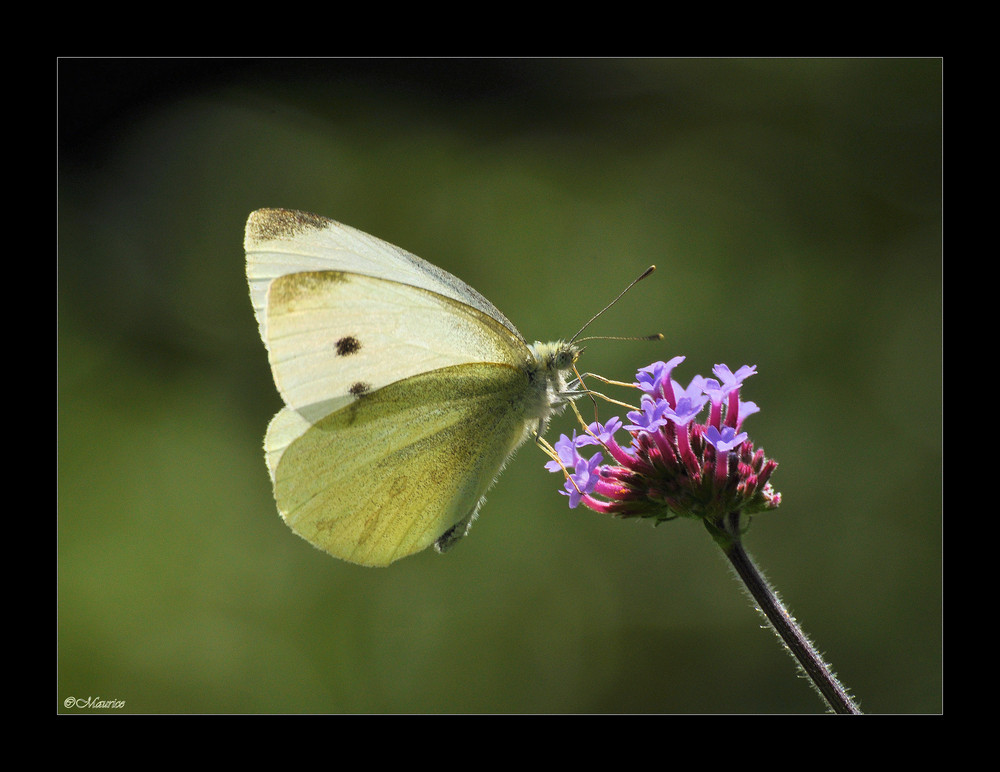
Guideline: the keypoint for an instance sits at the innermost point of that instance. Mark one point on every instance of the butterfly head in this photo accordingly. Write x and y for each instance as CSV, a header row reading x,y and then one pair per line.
x,y
555,357
551,373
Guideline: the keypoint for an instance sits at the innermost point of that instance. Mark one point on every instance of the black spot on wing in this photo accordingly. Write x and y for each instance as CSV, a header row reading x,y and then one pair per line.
x,y
360,388
348,345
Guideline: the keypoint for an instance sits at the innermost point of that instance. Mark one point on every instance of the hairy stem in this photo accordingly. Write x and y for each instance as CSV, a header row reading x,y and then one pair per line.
x,y
727,536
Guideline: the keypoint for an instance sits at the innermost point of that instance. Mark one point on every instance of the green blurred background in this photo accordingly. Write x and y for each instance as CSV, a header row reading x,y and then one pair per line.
x,y
793,208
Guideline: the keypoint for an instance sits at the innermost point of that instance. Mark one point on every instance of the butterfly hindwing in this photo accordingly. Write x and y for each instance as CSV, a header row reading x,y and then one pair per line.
x,y
390,473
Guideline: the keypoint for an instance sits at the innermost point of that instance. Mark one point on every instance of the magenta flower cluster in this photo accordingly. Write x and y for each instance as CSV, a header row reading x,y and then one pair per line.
x,y
672,466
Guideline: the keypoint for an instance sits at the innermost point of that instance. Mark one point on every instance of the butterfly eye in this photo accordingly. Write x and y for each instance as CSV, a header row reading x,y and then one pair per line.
x,y
568,356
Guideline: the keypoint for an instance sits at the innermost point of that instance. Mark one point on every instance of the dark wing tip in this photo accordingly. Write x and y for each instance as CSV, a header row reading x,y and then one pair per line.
x,y
272,224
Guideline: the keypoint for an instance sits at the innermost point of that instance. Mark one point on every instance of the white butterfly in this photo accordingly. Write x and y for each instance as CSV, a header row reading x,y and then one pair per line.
x,y
406,391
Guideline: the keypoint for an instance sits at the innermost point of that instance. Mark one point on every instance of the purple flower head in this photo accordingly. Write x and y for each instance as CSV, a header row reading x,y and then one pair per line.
x,y
677,464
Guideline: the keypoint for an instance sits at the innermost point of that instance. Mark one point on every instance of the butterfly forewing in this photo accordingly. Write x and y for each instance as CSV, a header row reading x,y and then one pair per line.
x,y
333,334
282,241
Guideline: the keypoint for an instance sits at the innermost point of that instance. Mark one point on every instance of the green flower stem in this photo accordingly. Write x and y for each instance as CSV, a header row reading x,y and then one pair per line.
x,y
727,536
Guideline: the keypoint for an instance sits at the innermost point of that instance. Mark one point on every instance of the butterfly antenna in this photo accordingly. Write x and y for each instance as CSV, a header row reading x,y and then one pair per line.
x,y
635,281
